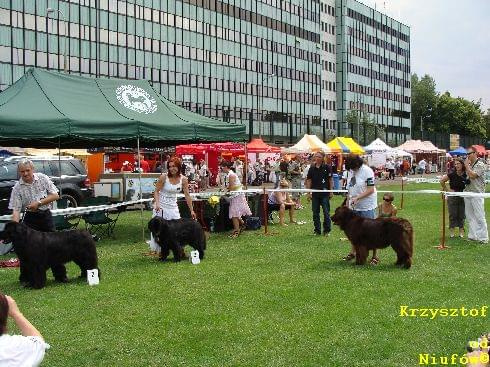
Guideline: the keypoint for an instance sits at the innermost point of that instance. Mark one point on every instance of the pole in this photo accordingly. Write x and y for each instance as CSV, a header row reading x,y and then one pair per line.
x,y
245,167
422,128
141,191
403,189
264,210
442,245
59,163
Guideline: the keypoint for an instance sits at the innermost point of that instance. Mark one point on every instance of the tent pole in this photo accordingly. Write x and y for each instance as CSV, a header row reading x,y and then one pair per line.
x,y
141,188
245,167
59,162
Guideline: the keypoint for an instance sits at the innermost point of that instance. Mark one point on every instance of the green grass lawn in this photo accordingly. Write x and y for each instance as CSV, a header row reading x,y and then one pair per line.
x,y
281,300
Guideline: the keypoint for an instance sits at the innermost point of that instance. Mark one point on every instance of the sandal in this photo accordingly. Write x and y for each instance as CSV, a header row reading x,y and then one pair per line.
x,y
242,228
349,257
234,234
374,261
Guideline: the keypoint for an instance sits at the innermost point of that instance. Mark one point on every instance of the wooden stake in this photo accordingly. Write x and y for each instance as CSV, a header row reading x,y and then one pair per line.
x,y
264,210
442,245
403,189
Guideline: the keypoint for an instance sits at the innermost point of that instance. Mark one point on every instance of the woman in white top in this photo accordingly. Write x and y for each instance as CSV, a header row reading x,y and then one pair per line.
x,y
167,189
19,350
238,203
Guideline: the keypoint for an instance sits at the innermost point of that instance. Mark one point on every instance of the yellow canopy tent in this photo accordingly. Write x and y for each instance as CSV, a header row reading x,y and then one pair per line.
x,y
345,145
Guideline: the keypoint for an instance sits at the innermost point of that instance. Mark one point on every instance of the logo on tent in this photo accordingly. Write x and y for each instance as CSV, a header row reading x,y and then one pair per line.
x,y
136,99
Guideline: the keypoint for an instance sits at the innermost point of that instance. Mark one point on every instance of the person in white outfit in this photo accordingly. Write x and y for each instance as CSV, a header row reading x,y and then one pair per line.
x,y
23,350
165,196
474,206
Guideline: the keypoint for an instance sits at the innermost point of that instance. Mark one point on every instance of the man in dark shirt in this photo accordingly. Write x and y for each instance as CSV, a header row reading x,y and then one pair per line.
x,y
319,177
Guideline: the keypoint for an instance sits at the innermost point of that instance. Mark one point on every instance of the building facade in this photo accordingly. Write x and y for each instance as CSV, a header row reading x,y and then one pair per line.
x,y
373,73
249,62
329,60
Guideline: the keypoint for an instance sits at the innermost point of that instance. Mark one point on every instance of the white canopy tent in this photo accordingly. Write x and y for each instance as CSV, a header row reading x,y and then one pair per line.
x,y
308,144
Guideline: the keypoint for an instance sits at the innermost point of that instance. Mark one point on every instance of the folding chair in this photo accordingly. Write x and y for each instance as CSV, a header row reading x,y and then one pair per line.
x,y
62,222
101,222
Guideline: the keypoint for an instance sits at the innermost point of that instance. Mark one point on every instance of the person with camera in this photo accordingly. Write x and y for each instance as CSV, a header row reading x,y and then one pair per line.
x,y
27,349
474,206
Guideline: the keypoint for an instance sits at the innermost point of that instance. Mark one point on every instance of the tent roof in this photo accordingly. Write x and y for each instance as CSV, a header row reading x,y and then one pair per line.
x,y
458,151
418,146
345,145
214,147
309,144
480,149
45,109
258,146
378,145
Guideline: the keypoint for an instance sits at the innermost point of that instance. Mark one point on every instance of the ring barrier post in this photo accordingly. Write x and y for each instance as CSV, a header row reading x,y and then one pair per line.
x,y
403,189
264,210
442,245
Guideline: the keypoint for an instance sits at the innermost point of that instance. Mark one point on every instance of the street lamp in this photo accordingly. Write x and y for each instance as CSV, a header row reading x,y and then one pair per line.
x,y
260,104
65,54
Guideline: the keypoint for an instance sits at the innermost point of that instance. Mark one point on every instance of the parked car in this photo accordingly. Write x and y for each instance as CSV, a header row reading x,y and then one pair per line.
x,y
74,184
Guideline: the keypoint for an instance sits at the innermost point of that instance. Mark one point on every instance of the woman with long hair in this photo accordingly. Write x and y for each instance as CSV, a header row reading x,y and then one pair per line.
x,y
167,189
457,182
19,350
238,203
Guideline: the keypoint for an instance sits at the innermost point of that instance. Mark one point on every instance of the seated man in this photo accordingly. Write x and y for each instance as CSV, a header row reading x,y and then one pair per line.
x,y
279,201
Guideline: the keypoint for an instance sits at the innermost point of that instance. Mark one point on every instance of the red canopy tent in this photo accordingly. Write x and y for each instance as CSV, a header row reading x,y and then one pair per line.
x,y
258,146
210,153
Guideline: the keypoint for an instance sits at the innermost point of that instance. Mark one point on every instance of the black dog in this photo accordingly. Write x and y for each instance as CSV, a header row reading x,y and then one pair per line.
x,y
368,234
39,251
175,234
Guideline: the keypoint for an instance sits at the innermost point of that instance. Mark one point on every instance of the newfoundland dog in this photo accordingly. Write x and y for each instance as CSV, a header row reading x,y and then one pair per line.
x,y
39,251
368,234
175,234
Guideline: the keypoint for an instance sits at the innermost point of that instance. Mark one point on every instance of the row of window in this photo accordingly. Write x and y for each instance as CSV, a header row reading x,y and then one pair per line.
x,y
369,108
258,19
197,54
369,91
357,33
228,113
359,70
328,105
328,28
330,10
367,55
28,21
330,124
328,47
331,86
375,24
328,66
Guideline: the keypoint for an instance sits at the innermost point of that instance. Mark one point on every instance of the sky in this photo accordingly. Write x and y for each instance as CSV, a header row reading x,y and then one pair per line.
x,y
450,41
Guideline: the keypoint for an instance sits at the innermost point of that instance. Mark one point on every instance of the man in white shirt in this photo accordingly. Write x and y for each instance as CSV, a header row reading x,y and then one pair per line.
x,y
422,166
362,196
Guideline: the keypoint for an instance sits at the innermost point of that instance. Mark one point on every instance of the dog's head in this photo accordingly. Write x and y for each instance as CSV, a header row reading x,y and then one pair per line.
x,y
158,228
342,215
13,231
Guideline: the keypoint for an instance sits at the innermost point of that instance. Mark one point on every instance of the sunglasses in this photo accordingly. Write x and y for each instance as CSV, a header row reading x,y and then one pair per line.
x,y
470,153
388,200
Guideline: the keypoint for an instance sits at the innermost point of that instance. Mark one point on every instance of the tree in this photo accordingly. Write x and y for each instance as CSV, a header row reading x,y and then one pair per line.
x,y
367,130
486,121
424,99
459,115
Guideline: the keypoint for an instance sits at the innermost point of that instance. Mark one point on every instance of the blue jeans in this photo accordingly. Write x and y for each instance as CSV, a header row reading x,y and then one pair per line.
x,y
366,213
322,200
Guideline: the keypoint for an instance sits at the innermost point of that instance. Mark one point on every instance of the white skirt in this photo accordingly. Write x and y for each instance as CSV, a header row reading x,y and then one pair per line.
x,y
167,214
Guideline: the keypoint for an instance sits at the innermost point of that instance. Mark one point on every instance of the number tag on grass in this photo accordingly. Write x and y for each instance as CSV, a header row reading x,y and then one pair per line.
x,y
195,257
93,276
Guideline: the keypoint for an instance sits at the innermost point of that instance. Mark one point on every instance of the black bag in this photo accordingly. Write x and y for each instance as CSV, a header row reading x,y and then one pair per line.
x,y
253,223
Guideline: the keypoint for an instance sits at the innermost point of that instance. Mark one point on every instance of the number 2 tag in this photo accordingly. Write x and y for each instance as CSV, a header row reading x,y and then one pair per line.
x,y
93,276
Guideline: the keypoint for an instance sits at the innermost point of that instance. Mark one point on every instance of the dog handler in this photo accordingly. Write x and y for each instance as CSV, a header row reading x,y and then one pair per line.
x,y
19,350
35,193
167,188
362,197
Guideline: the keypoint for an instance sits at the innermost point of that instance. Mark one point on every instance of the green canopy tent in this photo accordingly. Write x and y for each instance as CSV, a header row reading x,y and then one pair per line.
x,y
46,109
